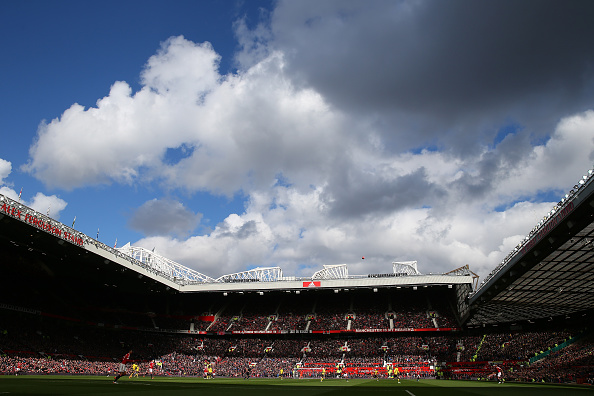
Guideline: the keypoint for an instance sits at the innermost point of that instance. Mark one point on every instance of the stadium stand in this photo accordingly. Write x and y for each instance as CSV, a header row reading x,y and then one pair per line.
x,y
71,305
38,342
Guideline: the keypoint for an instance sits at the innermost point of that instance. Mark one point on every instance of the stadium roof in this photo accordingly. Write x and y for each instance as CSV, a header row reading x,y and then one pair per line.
x,y
551,273
30,232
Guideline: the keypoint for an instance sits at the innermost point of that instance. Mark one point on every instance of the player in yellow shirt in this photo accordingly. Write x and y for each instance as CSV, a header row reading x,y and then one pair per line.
x,y
323,374
135,370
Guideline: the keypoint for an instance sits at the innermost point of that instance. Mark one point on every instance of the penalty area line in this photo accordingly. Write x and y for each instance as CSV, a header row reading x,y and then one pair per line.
x,y
409,392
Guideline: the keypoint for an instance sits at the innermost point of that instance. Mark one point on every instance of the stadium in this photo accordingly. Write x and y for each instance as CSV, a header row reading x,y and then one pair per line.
x,y
74,306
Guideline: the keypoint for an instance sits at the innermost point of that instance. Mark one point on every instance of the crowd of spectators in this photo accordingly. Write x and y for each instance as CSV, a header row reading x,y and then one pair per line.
x,y
45,344
573,363
289,321
322,312
514,346
48,365
332,319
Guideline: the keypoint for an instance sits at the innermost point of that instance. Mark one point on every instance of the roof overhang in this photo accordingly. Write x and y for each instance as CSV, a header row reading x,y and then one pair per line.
x,y
302,284
551,274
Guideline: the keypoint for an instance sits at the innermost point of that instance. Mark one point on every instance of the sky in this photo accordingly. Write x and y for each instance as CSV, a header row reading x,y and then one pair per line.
x,y
229,135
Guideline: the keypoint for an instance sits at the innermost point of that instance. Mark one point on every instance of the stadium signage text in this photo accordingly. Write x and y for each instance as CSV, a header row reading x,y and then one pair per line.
x,y
20,309
42,225
385,330
547,228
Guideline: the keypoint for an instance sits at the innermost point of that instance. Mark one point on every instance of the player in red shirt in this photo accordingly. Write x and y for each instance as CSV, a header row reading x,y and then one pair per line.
x,y
151,367
499,373
122,370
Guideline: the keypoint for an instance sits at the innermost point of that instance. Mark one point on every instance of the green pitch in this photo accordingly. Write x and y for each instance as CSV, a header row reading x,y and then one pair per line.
x,y
89,385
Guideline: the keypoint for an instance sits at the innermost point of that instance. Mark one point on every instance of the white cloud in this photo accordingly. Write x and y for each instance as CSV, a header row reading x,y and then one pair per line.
x,y
40,202
47,204
560,162
5,169
182,69
164,217
127,133
295,228
326,183
242,129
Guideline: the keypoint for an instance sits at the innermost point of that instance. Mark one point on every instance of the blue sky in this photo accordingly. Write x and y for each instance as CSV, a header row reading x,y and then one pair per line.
x,y
72,52
234,134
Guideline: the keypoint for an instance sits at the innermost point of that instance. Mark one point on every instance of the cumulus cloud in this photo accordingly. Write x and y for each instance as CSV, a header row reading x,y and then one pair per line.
x,y
40,202
47,204
354,129
441,224
164,217
556,164
241,132
5,169
127,132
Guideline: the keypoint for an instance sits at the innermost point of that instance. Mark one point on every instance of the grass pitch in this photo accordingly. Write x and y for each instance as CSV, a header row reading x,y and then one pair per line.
x,y
93,385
